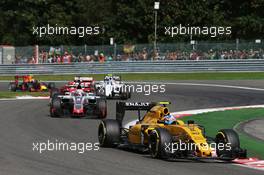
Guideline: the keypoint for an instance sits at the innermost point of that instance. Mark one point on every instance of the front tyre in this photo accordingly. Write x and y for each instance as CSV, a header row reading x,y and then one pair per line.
x,y
160,141
228,145
51,85
55,107
54,93
109,133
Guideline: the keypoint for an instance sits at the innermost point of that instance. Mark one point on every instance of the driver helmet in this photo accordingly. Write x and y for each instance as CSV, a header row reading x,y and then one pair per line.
x,y
78,93
169,119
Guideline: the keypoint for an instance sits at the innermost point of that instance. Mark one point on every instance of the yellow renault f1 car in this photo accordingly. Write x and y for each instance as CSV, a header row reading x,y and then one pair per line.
x,y
164,140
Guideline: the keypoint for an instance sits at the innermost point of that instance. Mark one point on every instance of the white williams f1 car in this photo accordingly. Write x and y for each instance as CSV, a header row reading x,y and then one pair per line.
x,y
112,87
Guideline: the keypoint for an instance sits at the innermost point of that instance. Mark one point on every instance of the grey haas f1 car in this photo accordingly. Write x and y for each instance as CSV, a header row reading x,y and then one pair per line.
x,y
113,87
78,104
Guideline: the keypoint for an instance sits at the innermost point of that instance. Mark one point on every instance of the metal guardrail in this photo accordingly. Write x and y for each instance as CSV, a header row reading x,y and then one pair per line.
x,y
135,67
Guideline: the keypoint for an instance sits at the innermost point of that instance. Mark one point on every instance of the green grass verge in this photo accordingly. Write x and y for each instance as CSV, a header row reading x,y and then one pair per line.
x,y
162,76
215,121
8,94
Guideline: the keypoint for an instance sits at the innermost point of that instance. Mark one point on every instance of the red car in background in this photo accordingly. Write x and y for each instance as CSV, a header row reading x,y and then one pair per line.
x,y
28,83
87,84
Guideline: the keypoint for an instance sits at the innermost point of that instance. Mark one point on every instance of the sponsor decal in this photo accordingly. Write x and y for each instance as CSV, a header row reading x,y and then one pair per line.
x,y
137,104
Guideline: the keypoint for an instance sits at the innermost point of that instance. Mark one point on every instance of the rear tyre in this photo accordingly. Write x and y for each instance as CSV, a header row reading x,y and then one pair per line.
x,y
54,93
124,95
55,108
230,139
99,91
109,133
101,106
129,94
12,87
51,85
159,141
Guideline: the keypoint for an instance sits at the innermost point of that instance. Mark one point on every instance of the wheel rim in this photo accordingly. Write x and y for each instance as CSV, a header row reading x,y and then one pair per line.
x,y
220,139
153,144
101,134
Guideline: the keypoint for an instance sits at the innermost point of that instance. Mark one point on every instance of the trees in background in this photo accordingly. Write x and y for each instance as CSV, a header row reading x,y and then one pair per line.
x,y
128,21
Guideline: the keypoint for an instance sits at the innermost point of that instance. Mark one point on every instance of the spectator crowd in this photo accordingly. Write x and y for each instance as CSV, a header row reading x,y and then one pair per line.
x,y
144,54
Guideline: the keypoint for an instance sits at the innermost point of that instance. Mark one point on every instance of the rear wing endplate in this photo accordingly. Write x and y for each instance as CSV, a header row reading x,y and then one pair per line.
x,y
121,107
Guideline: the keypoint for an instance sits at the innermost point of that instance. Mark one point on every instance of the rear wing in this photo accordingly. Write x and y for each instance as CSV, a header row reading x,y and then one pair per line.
x,y
117,78
114,77
83,79
121,107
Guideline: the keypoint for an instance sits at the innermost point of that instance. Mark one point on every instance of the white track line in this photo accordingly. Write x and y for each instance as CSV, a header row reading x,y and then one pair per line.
x,y
201,111
173,83
28,97
200,84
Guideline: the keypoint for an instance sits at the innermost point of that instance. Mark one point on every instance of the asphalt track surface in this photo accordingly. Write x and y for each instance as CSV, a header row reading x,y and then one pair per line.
x,y
254,128
24,122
